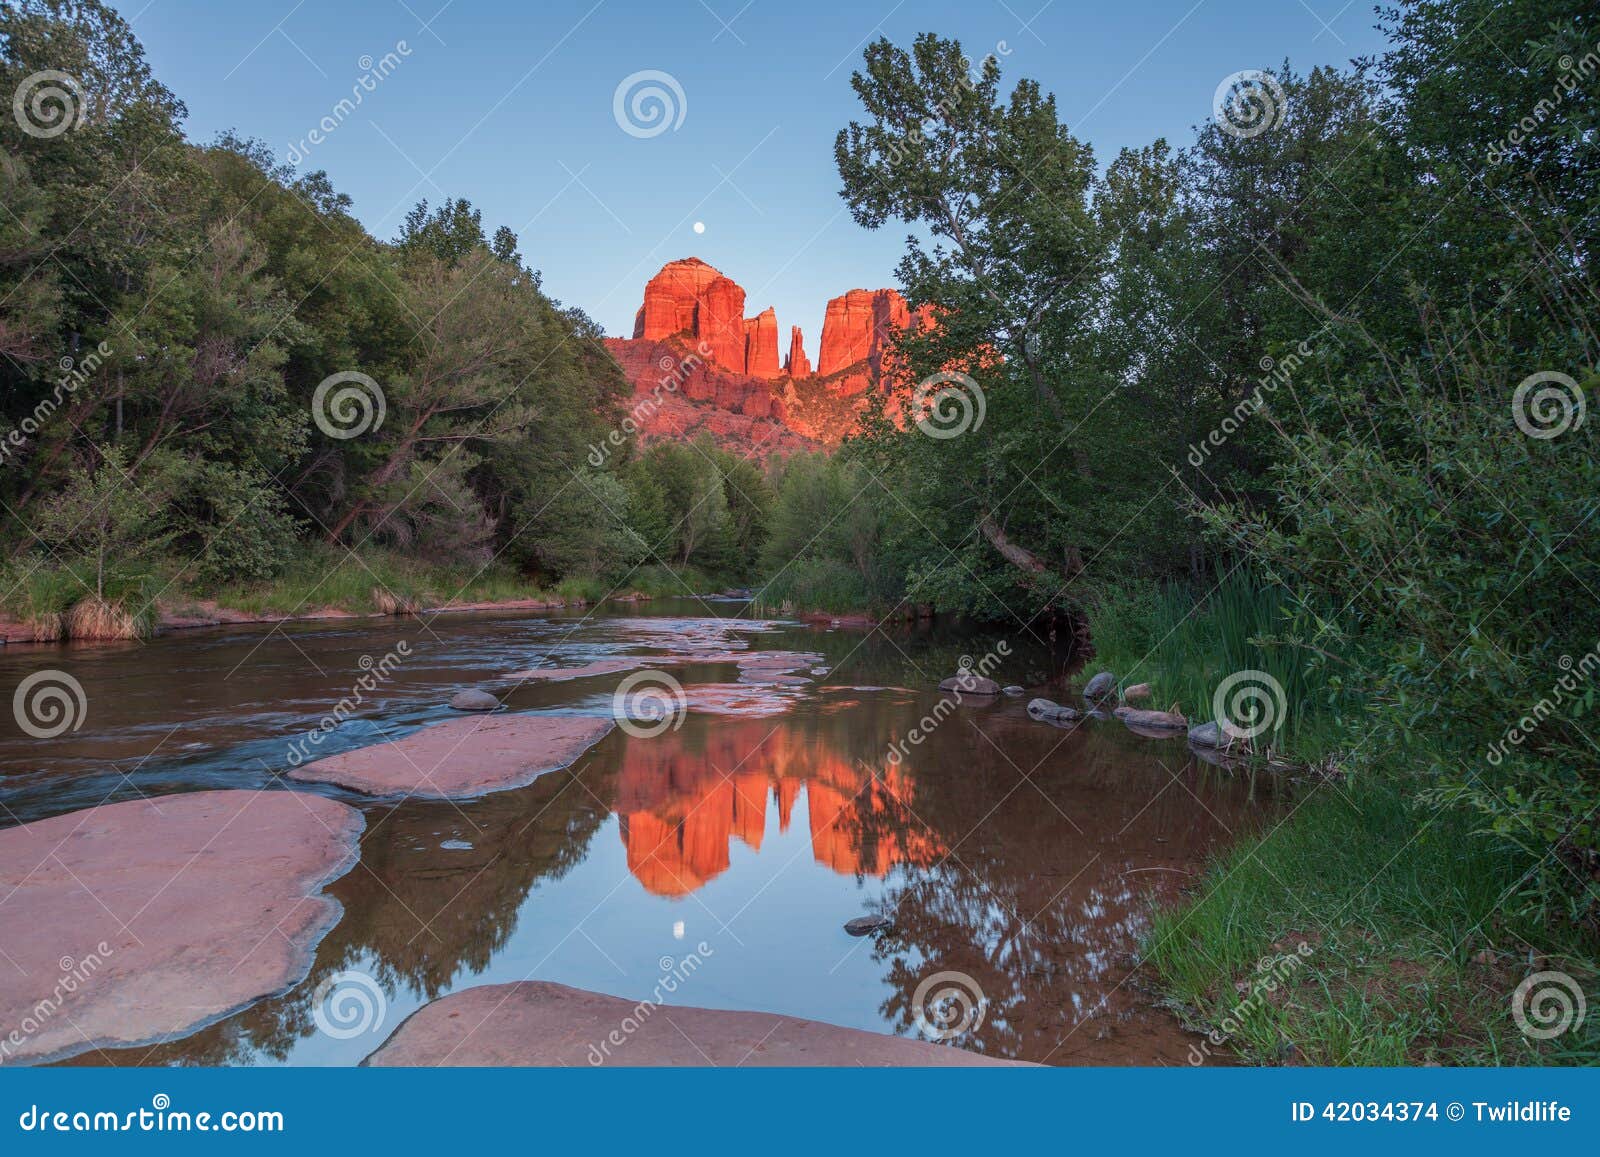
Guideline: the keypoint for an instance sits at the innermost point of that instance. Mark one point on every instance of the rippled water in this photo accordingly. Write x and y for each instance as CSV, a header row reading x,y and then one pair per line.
x,y
1023,857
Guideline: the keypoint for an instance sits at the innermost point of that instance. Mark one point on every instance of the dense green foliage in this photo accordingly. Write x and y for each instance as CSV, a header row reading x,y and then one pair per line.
x,y
1299,347
209,372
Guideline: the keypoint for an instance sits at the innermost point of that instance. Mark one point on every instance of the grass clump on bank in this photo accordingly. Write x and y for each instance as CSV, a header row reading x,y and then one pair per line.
x,y
1414,955
367,581
1185,642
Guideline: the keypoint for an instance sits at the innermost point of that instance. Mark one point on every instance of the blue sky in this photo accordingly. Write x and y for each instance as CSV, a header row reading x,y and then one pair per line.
x,y
511,105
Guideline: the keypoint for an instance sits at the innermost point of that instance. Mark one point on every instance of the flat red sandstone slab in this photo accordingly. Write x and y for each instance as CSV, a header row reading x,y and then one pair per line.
x,y
562,674
536,1023
142,921
461,758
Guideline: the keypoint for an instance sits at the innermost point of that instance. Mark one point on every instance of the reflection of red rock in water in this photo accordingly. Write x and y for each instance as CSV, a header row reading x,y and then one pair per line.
x,y
678,813
729,391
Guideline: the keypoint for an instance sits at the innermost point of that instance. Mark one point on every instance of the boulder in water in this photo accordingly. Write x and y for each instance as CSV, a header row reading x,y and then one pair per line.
x,y
1102,686
1052,712
969,683
471,700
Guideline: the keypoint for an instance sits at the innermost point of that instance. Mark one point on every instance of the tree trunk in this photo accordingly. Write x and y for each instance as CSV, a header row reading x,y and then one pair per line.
x,y
1023,558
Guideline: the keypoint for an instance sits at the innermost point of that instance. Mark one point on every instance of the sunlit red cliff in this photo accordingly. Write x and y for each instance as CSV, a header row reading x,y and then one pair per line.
x,y
698,364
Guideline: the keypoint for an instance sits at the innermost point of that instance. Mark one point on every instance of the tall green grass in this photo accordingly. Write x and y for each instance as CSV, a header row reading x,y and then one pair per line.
x,y
1185,641
1414,956
811,584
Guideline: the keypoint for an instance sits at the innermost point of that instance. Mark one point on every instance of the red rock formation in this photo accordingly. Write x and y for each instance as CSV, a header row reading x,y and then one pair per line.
x,y
690,297
797,365
698,365
858,327
761,344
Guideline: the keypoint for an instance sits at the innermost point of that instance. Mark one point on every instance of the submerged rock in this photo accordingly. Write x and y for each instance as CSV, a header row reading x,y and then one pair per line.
x,y
969,683
474,701
1014,689
1054,712
138,922
1102,686
533,1022
1209,735
461,758
866,925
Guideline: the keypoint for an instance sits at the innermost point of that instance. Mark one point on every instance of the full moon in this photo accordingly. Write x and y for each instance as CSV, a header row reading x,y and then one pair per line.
x,y
699,226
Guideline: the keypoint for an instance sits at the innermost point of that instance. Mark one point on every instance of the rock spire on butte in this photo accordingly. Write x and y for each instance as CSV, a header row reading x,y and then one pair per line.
x,y
726,374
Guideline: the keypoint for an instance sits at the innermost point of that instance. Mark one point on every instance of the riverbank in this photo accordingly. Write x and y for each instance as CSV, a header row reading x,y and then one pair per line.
x,y
45,605
1375,924
1416,944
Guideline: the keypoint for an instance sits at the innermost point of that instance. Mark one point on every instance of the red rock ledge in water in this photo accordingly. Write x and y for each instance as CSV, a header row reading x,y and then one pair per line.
x,y
140,922
461,758
533,1022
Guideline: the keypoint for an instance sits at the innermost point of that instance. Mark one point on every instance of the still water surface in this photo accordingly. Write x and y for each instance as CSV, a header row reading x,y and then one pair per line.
x,y
1020,855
